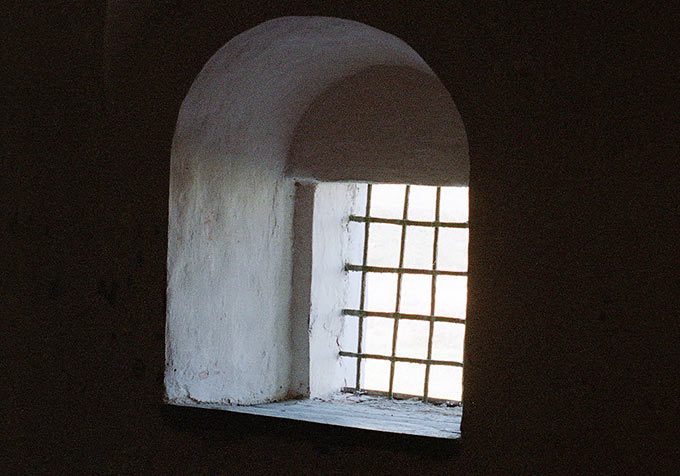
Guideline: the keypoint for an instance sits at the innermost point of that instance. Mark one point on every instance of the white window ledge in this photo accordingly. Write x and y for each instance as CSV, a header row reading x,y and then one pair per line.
x,y
410,417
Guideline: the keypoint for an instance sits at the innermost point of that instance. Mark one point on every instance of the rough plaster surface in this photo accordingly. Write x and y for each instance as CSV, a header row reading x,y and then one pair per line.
x,y
230,264
323,245
333,247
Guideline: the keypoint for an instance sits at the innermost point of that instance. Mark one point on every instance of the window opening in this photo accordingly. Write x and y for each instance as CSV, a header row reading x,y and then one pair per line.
x,y
419,308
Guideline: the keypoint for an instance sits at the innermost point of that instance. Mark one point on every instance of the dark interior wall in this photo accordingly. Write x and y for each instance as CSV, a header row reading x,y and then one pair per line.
x,y
572,355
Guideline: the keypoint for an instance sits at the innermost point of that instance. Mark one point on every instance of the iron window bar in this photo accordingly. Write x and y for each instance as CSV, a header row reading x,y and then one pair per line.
x,y
397,221
398,315
396,358
400,276
400,270
362,298
362,313
433,294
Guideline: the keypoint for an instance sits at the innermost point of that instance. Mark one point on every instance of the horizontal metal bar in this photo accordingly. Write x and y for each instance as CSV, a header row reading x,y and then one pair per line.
x,y
400,396
399,315
400,359
382,269
399,221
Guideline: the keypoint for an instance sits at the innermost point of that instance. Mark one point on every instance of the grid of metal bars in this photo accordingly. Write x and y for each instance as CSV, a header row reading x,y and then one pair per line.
x,y
362,313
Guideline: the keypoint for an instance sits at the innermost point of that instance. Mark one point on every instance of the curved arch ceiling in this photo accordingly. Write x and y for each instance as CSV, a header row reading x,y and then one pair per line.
x,y
327,99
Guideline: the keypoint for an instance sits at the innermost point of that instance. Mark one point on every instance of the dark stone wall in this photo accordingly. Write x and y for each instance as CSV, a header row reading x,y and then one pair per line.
x,y
572,351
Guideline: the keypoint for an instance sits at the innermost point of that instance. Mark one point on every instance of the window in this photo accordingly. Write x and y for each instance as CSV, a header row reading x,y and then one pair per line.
x,y
413,291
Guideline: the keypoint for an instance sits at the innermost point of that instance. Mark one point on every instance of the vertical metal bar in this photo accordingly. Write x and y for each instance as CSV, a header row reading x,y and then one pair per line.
x,y
398,300
434,292
362,297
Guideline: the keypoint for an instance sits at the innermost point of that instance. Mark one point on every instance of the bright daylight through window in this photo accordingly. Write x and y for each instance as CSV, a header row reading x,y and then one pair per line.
x,y
409,310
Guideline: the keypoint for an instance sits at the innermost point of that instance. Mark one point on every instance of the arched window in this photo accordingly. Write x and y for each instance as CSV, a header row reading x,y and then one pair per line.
x,y
291,103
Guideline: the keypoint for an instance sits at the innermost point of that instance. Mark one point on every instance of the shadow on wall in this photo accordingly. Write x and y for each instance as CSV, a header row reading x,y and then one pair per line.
x,y
394,124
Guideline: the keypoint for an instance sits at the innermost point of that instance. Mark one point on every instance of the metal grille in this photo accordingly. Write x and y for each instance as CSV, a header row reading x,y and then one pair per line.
x,y
400,271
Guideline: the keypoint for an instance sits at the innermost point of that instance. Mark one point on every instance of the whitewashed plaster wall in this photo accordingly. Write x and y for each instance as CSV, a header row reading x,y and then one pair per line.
x,y
244,135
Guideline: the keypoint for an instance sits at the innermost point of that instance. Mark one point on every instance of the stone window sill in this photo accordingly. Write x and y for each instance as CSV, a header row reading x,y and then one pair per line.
x,y
408,417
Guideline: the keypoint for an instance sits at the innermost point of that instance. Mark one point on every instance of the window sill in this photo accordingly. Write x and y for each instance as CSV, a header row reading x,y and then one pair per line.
x,y
364,412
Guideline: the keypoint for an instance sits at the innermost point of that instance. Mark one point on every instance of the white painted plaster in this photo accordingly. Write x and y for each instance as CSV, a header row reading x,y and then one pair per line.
x,y
229,334
333,247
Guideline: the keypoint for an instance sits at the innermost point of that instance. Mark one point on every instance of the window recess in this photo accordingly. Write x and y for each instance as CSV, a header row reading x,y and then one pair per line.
x,y
269,149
